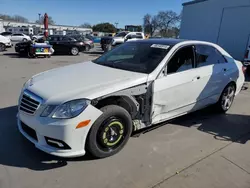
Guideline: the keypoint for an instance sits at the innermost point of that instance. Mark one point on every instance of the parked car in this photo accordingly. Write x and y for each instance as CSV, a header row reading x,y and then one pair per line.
x,y
246,60
96,105
61,44
6,34
4,43
19,37
23,48
89,37
66,45
38,36
107,40
120,38
89,44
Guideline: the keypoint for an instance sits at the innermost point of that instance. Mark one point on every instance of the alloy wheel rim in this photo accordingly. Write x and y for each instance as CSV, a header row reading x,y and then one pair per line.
x,y
74,51
227,98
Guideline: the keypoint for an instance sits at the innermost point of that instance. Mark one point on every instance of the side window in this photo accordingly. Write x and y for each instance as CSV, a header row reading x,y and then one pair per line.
x,y
64,39
182,60
208,55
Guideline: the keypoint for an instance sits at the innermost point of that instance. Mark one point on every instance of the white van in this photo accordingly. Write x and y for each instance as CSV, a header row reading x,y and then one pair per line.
x,y
25,30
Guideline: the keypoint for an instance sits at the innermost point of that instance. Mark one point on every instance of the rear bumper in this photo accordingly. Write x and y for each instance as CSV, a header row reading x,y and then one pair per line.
x,y
81,48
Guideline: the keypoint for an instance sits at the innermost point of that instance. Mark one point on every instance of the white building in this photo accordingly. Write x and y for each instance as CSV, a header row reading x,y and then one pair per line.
x,y
38,27
225,22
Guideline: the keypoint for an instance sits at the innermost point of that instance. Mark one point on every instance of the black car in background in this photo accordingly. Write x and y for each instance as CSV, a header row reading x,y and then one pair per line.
x,y
61,44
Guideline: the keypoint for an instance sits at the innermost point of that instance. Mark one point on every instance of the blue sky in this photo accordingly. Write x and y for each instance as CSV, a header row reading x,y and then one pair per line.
x,y
76,12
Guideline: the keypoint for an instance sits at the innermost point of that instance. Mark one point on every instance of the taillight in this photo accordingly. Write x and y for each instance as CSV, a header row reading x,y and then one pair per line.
x,y
246,55
244,69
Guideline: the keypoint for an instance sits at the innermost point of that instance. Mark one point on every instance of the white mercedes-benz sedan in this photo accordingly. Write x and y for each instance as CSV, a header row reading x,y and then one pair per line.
x,y
95,106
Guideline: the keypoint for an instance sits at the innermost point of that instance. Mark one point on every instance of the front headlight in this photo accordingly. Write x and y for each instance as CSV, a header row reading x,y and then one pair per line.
x,y
71,109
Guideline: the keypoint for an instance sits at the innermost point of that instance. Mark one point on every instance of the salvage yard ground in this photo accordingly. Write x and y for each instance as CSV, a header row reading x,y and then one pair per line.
x,y
202,149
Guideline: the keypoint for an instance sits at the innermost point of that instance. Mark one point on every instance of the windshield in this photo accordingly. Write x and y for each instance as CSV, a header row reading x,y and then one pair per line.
x,y
122,34
134,56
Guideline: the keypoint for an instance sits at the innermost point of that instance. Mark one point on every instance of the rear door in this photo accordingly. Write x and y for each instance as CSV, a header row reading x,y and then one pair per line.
x,y
212,67
65,44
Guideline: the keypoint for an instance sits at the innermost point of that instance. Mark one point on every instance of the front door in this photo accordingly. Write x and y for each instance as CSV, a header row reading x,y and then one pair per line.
x,y
175,92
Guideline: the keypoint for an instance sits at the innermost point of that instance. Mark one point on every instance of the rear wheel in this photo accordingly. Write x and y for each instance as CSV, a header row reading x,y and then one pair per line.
x,y
74,51
110,132
24,40
2,47
226,98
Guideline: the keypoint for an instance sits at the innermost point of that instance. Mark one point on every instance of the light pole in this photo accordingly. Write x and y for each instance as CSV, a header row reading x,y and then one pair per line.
x,y
39,17
116,23
39,21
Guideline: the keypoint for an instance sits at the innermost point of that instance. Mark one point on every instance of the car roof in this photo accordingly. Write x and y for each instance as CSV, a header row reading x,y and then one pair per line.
x,y
164,41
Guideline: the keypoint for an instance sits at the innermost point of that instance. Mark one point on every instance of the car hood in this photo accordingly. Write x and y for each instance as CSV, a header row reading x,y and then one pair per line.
x,y
82,80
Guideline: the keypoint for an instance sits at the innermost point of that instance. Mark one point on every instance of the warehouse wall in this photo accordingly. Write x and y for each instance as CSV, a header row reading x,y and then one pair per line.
x,y
218,21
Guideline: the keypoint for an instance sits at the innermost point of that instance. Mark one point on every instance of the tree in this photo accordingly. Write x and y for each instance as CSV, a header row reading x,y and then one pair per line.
x,y
166,20
86,25
104,27
51,21
150,24
139,28
16,18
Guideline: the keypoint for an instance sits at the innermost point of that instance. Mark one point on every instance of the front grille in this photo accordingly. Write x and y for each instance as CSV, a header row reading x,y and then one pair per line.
x,y
29,131
29,102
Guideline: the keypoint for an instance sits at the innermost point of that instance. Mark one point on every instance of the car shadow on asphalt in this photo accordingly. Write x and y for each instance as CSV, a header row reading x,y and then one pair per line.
x,y
16,151
223,127
14,55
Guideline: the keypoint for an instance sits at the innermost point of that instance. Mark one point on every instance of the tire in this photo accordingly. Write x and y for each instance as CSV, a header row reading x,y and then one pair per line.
x,y
24,40
2,47
74,51
110,132
87,48
228,95
248,70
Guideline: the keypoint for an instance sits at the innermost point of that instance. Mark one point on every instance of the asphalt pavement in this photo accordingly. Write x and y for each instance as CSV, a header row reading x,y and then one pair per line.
x,y
202,149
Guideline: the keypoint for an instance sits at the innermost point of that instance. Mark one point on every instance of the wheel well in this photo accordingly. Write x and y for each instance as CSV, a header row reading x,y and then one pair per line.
x,y
233,83
122,101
